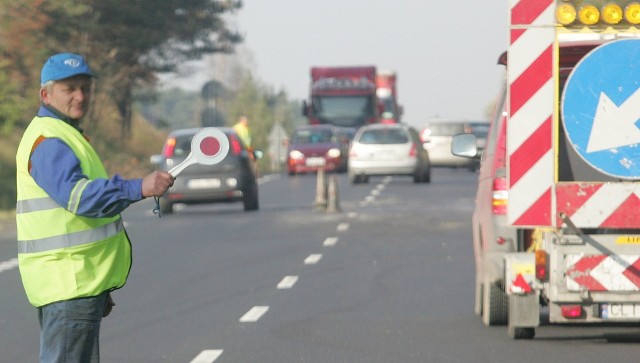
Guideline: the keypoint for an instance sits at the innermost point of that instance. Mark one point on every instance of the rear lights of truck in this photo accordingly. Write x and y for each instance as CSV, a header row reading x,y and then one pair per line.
x,y
500,196
542,273
571,311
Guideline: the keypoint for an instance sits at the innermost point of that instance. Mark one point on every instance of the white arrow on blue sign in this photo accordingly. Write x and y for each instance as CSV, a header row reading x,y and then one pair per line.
x,y
601,108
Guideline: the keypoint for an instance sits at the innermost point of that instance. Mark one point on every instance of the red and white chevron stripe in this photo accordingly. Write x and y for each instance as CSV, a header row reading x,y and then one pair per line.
x,y
599,205
531,109
602,272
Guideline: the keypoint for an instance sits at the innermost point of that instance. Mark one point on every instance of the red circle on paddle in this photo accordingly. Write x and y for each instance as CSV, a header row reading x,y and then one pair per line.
x,y
210,146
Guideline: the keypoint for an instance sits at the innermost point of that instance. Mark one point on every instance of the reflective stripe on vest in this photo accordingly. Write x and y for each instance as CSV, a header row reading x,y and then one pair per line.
x,y
36,205
71,239
76,193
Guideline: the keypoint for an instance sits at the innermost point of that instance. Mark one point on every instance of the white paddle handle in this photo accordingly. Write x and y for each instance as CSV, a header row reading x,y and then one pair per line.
x,y
180,167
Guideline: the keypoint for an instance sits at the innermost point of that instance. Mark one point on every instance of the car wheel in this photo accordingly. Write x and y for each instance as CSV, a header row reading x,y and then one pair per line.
x,y
494,305
355,179
417,175
166,207
250,198
426,177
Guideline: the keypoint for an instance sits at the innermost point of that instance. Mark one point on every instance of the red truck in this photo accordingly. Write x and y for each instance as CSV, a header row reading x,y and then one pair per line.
x,y
342,96
387,94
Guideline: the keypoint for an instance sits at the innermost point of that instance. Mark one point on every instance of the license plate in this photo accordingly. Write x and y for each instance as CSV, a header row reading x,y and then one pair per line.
x,y
204,183
315,162
620,311
628,240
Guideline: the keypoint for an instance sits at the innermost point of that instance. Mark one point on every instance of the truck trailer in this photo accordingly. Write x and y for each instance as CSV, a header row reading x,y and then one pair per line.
x,y
387,94
556,228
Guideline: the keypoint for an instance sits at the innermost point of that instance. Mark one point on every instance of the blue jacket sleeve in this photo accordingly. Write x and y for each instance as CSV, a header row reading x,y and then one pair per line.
x,y
56,169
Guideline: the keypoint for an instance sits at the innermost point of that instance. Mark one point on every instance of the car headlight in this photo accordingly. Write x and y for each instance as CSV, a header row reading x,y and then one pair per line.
x,y
333,153
295,154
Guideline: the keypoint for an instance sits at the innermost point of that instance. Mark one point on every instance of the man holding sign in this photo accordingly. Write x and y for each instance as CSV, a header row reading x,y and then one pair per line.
x,y
72,246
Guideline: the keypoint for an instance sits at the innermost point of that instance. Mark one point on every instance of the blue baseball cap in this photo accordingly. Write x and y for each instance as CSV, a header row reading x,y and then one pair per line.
x,y
64,65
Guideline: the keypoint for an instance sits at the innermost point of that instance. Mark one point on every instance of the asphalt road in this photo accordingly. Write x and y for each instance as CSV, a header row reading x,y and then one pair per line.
x,y
389,278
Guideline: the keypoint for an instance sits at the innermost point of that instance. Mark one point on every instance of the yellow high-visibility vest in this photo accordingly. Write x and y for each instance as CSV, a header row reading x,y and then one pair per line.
x,y
61,255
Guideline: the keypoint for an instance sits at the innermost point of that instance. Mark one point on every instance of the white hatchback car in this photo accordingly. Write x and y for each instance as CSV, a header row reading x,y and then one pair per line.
x,y
388,149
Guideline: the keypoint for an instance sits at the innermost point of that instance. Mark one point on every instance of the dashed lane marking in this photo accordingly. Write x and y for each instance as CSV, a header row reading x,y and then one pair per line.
x,y
207,356
254,314
287,282
343,227
312,259
8,265
330,241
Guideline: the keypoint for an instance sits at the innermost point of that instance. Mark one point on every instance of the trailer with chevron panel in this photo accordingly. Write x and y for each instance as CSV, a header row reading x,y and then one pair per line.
x,y
573,163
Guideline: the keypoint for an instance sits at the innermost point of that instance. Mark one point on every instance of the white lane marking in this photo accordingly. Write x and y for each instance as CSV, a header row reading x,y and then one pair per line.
x,y
375,192
330,241
343,227
352,215
369,198
380,187
254,314
267,178
287,282
207,356
312,259
8,264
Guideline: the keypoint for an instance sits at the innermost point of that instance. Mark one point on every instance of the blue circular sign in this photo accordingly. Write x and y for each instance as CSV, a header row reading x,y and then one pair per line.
x,y
601,108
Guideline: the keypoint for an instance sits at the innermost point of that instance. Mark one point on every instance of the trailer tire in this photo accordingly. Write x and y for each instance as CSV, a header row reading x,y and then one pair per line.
x,y
521,333
494,305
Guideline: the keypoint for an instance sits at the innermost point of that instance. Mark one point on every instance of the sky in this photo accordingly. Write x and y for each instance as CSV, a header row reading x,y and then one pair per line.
x,y
444,52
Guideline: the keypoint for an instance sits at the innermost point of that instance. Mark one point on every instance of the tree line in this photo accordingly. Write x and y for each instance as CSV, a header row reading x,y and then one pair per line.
x,y
128,43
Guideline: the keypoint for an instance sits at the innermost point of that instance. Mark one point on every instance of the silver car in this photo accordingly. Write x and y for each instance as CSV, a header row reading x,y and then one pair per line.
x,y
388,149
436,138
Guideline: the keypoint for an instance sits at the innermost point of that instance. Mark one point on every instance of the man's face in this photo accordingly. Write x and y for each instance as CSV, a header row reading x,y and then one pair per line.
x,y
69,96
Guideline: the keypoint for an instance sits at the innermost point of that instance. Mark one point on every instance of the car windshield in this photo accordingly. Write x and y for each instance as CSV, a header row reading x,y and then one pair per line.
x,y
445,129
384,136
183,145
334,107
312,137
480,130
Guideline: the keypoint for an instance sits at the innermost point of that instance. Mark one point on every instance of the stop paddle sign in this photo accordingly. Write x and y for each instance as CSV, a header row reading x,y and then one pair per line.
x,y
209,146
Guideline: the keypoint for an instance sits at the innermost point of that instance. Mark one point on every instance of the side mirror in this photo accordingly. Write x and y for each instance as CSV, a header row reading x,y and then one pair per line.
x,y
258,154
464,145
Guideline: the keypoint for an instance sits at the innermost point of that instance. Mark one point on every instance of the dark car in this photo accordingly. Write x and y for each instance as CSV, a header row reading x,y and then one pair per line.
x,y
231,180
316,147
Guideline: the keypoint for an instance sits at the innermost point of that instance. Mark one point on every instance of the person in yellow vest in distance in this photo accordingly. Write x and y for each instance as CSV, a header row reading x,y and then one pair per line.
x,y
244,132
73,250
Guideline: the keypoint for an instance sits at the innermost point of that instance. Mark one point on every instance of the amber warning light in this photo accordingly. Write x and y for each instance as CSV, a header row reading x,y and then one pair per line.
x,y
209,146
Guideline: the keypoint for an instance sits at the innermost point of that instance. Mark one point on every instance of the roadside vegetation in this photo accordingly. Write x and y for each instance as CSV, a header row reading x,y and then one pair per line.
x,y
129,44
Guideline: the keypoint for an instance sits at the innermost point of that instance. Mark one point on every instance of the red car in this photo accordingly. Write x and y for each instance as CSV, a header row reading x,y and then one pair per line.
x,y
315,147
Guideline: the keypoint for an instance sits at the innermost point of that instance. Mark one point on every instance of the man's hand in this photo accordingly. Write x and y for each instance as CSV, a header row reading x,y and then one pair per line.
x,y
156,183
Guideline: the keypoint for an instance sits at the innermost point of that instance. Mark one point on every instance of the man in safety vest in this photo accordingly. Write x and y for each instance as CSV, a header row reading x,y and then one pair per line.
x,y
242,129
72,246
